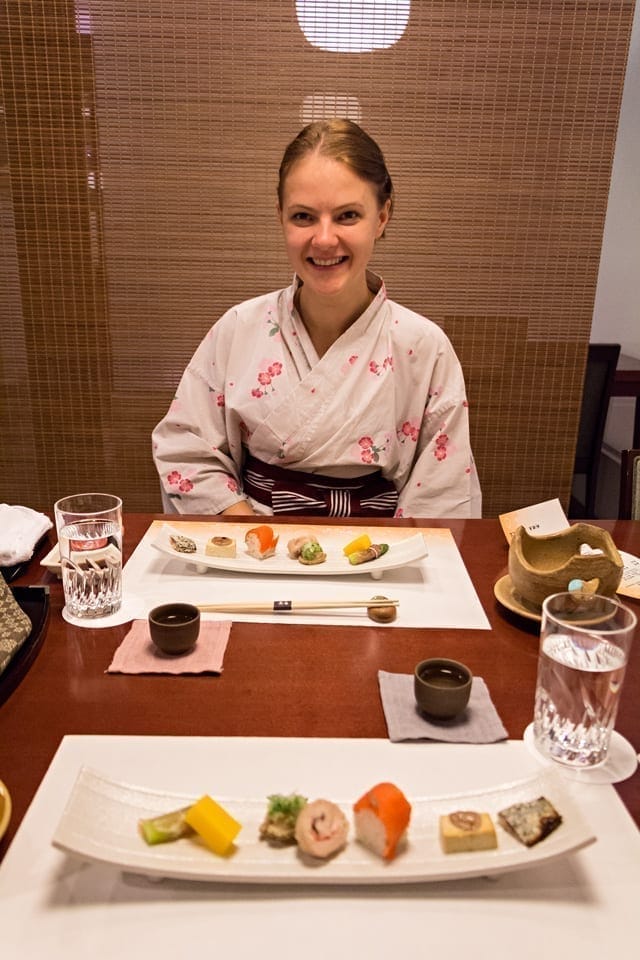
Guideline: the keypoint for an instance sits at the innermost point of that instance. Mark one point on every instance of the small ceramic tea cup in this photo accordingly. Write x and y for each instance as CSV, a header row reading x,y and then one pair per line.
x,y
174,627
442,687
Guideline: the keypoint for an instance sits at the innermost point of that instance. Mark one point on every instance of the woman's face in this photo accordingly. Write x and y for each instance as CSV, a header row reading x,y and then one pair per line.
x,y
331,220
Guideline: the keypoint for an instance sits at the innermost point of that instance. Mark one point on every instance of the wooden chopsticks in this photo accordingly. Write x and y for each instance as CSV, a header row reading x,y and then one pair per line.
x,y
285,606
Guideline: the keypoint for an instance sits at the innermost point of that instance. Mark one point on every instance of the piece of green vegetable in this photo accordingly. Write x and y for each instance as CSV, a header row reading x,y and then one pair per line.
x,y
371,553
167,827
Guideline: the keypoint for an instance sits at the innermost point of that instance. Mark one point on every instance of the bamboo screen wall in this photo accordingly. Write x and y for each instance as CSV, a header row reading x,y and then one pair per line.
x,y
140,141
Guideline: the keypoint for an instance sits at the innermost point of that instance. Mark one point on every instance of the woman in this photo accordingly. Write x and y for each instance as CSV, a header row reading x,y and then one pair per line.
x,y
325,397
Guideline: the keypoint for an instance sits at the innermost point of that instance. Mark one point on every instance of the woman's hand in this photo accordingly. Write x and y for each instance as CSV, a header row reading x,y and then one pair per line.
x,y
240,509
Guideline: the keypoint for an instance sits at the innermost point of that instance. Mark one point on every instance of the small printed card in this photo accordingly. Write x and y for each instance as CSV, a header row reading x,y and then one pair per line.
x,y
630,583
538,520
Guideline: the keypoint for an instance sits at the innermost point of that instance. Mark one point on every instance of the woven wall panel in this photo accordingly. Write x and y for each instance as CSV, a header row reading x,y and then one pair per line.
x,y
140,143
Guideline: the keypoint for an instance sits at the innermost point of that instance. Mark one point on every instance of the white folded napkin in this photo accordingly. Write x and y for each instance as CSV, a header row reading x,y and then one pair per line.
x,y
20,530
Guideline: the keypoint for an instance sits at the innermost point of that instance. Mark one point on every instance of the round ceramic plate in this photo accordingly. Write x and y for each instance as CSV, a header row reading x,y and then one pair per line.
x,y
506,595
5,809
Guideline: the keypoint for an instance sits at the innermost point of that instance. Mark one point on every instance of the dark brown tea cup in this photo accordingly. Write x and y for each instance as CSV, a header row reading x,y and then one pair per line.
x,y
174,627
442,687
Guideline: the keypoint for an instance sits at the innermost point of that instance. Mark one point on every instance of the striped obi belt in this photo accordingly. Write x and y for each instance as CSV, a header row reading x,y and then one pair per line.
x,y
292,491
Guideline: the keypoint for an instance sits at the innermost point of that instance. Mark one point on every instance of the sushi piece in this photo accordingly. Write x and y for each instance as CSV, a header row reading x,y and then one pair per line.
x,y
363,542
261,543
279,823
321,829
182,544
371,553
381,818
220,547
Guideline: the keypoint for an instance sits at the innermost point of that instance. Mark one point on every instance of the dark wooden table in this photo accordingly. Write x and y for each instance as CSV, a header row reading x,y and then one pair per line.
x,y
279,679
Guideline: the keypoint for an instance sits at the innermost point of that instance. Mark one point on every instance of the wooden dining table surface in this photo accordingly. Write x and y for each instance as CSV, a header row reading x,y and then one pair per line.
x,y
279,679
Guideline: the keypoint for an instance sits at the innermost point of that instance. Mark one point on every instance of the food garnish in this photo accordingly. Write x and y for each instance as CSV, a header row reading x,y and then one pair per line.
x,y
182,544
363,542
370,553
217,828
280,821
166,827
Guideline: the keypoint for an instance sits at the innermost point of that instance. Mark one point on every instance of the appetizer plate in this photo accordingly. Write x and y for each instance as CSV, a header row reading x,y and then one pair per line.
x,y
400,553
99,824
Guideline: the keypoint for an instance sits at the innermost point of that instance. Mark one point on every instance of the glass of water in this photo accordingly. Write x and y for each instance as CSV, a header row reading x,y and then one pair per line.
x,y
584,647
89,529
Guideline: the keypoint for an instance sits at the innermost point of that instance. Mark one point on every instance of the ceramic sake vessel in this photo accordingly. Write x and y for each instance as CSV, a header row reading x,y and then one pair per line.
x,y
542,566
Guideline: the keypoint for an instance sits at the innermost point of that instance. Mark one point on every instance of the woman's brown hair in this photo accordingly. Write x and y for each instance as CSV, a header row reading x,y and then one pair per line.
x,y
346,142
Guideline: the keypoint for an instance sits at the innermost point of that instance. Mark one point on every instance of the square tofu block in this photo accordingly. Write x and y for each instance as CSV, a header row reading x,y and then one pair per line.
x,y
466,830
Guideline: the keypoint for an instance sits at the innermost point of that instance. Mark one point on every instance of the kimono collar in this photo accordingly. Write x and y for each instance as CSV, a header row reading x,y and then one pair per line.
x,y
374,283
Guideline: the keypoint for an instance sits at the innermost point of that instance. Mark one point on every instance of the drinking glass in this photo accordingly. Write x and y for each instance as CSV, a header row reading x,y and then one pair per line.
x,y
584,648
89,529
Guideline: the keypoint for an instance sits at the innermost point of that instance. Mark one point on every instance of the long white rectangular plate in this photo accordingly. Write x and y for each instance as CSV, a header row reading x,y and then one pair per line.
x,y
401,552
100,821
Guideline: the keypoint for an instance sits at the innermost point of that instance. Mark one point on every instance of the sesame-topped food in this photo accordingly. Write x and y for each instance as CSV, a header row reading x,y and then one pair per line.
x,y
182,544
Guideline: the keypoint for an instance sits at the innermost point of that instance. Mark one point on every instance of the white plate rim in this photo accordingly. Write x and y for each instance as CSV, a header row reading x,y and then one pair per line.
x,y
95,798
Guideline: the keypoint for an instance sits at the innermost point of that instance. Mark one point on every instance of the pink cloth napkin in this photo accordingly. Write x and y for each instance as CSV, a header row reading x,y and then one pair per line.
x,y
137,654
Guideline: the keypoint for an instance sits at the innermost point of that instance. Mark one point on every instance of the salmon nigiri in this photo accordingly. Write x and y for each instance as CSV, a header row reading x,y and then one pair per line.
x,y
381,819
261,542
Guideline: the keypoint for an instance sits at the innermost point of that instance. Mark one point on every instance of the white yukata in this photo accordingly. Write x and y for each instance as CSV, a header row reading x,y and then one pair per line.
x,y
388,395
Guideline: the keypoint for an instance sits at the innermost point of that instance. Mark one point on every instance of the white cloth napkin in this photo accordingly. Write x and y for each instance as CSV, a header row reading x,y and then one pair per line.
x,y
479,723
20,530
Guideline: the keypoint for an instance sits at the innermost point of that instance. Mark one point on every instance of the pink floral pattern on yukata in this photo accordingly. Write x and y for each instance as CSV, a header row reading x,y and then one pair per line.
x,y
232,484
265,379
175,479
219,397
408,431
379,368
440,452
350,362
370,451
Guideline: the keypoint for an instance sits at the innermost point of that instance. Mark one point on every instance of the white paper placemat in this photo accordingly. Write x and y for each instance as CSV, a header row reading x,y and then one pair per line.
x,y
433,592
57,907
